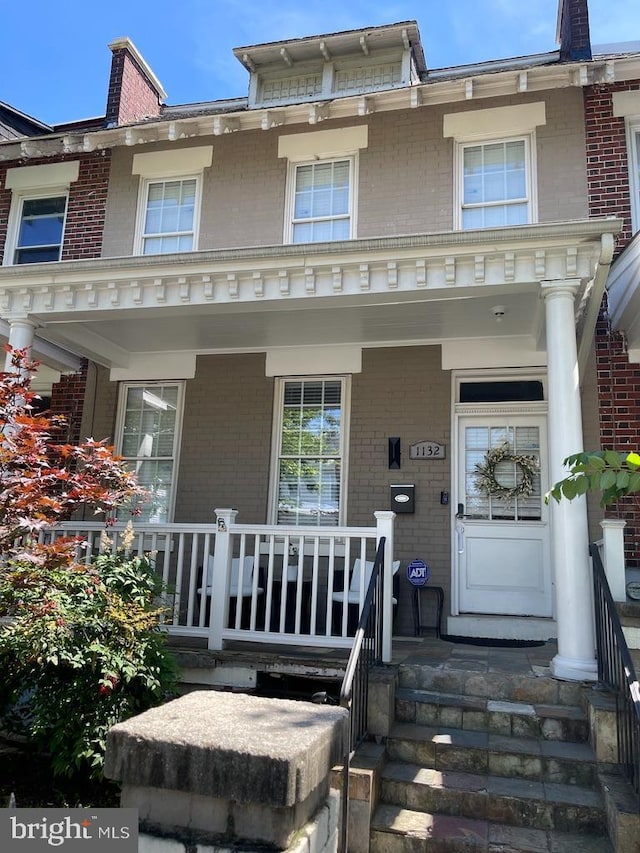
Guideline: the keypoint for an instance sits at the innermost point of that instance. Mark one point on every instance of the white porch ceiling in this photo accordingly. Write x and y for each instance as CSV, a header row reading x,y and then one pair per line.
x,y
244,327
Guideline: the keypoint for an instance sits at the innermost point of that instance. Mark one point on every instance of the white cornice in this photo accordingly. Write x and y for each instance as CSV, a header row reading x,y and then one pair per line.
x,y
468,87
445,265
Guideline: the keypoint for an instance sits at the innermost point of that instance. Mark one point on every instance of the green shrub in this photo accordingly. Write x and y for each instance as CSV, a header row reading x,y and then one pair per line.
x,y
81,652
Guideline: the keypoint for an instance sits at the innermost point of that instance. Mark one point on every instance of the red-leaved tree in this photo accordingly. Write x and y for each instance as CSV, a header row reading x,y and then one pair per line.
x,y
42,481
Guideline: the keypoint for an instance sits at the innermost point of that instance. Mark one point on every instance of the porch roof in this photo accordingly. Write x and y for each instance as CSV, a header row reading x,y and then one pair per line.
x,y
379,291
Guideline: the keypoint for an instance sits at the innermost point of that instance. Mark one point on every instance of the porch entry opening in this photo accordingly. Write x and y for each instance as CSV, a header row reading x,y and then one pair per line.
x,y
502,542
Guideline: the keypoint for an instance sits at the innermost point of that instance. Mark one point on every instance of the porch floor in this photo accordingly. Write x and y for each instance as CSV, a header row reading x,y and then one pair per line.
x,y
427,651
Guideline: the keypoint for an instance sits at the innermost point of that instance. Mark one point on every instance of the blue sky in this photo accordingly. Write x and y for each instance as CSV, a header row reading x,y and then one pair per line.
x,y
54,60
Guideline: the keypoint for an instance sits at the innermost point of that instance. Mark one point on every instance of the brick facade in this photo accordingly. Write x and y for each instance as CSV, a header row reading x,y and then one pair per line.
x,y
607,157
575,41
618,379
131,97
86,207
67,398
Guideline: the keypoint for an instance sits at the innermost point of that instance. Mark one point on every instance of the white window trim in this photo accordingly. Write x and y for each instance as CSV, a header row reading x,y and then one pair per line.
x,y
530,166
291,193
177,438
143,193
278,411
15,217
633,135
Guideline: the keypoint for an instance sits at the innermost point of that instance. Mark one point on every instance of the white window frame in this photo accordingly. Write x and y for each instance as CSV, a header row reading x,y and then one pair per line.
x,y
276,436
531,177
143,197
633,142
15,218
352,159
177,438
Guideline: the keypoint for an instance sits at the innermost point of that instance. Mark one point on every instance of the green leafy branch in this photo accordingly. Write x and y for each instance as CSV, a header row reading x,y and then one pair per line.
x,y
613,473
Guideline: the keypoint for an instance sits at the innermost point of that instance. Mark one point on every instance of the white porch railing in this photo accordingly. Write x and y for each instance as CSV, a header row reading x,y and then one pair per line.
x,y
262,583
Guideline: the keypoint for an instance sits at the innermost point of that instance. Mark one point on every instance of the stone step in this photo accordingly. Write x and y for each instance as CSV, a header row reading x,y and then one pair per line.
x,y
442,748
518,802
477,713
498,685
398,830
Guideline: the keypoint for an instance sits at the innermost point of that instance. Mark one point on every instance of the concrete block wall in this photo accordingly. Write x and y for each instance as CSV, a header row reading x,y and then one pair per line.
x,y
403,392
405,181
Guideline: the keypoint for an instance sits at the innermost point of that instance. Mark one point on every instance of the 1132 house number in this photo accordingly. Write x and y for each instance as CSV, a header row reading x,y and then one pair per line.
x,y
427,450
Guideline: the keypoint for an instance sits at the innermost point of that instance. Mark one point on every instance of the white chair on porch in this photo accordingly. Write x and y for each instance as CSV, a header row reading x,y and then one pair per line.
x,y
248,568
353,593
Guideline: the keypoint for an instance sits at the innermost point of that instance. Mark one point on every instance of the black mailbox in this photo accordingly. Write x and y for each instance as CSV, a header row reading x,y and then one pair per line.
x,y
403,498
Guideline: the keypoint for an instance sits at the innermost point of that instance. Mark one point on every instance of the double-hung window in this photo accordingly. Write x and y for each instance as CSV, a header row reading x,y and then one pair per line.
x,y
169,216
38,213
495,183
39,229
148,437
634,171
308,479
322,200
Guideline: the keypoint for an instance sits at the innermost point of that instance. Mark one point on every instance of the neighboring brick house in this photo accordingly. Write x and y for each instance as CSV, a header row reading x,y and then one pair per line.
x,y
612,116
363,266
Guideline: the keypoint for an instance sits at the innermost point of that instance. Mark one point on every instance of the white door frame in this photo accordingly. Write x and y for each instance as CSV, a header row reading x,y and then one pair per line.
x,y
460,410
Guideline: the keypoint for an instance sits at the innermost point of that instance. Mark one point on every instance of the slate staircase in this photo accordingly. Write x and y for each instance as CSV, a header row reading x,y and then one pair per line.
x,y
488,761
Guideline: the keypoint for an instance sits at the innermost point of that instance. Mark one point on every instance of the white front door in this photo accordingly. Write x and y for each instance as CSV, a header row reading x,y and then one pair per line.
x,y
503,554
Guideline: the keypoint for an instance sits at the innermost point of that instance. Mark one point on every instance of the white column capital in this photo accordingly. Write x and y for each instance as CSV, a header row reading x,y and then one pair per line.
x,y
613,523
559,287
21,334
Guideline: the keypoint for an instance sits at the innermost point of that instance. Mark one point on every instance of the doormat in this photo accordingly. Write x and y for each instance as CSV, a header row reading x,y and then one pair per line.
x,y
492,641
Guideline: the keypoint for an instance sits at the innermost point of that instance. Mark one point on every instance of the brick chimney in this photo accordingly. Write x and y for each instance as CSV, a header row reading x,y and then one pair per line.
x,y
135,92
573,30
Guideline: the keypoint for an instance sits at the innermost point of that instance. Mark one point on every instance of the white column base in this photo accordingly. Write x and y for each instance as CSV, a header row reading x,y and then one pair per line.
x,y
573,669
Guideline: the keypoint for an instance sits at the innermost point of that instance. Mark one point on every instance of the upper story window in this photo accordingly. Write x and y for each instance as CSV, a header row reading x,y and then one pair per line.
x,y
495,164
40,229
39,201
322,183
169,199
148,438
310,440
322,201
634,172
495,183
169,216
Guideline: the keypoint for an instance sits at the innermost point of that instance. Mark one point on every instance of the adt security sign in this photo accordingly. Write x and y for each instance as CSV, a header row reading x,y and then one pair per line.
x,y
418,572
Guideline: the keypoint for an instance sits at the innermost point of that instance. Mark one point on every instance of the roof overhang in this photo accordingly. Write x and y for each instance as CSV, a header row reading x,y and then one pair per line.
x,y
218,120
401,36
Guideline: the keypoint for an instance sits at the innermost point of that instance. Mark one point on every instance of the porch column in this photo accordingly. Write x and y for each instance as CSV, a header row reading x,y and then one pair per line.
x,y
575,660
21,334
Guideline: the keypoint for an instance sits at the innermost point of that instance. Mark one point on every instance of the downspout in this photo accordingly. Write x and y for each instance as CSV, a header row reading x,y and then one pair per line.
x,y
594,293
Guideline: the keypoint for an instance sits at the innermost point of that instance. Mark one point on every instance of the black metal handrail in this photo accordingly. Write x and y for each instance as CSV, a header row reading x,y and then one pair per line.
x,y
616,672
366,653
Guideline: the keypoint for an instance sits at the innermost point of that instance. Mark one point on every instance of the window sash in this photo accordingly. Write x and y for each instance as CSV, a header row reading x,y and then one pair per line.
x,y
308,477
46,241
495,183
148,438
321,200
634,173
168,217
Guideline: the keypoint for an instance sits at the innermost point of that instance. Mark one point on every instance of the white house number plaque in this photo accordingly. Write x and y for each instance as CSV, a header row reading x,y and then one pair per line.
x,y
427,450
